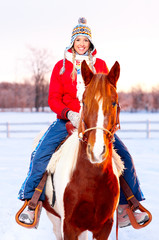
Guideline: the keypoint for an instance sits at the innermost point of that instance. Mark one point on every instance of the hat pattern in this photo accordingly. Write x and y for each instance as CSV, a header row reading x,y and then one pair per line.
x,y
81,28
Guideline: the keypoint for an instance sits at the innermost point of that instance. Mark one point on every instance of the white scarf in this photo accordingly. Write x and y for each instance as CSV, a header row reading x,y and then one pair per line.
x,y
80,82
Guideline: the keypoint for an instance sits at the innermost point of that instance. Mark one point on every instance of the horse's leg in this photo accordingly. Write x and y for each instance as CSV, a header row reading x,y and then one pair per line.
x,y
69,231
56,225
104,232
71,234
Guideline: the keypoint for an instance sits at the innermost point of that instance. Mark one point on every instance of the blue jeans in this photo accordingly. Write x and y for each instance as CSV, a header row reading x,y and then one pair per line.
x,y
47,145
129,173
40,157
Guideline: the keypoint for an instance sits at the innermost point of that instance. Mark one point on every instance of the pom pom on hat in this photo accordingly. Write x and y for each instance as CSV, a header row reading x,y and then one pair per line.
x,y
82,20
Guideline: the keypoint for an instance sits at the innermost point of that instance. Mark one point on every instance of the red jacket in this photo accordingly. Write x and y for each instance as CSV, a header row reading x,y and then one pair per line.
x,y
62,90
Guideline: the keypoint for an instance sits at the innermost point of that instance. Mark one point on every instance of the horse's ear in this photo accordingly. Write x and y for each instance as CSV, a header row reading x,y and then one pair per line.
x,y
87,74
114,73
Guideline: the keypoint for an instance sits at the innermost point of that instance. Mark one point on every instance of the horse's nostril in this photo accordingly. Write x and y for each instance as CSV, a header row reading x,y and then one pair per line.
x,y
89,148
103,150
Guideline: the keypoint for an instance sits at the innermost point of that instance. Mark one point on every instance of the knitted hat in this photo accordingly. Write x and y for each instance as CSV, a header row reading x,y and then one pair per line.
x,y
80,29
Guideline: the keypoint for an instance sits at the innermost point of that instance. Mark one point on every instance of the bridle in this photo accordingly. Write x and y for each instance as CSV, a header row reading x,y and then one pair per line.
x,y
117,122
110,133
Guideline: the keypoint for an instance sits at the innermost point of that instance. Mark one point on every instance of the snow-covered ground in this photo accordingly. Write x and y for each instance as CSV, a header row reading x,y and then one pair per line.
x,y
14,161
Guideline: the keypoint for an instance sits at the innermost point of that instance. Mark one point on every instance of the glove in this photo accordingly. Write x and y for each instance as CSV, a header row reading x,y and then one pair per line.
x,y
74,118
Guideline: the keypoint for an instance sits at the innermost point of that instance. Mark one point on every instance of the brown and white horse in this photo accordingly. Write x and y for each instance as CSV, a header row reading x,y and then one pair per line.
x,y
86,168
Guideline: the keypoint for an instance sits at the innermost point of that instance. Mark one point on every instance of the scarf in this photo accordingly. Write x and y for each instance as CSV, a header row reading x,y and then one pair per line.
x,y
80,82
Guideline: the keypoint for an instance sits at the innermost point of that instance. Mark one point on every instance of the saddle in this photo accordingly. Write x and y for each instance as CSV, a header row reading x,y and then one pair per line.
x,y
36,205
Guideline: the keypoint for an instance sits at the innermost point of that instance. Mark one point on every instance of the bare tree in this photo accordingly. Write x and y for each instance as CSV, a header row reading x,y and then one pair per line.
x,y
16,95
138,102
155,98
125,101
39,65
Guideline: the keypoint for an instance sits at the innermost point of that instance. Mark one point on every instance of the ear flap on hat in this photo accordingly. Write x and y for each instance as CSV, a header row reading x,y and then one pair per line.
x,y
87,74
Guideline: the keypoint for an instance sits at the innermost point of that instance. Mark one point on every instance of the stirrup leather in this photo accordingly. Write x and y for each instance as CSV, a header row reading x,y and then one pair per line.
x,y
133,205
36,217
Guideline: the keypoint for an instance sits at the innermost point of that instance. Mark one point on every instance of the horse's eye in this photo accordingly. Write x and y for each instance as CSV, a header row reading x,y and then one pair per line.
x,y
114,104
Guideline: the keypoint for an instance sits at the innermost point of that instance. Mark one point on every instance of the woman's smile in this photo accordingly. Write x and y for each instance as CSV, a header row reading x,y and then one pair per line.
x,y
81,45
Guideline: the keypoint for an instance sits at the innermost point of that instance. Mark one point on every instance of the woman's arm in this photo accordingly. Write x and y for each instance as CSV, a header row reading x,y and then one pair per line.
x,y
55,98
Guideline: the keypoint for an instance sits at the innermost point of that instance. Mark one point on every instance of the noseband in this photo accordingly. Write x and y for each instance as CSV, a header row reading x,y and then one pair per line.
x,y
81,134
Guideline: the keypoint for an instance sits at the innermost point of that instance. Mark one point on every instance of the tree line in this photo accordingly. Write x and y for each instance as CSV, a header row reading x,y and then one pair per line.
x,y
24,95
28,95
139,100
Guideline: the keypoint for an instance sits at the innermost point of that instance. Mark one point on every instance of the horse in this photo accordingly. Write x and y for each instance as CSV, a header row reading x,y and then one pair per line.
x,y
84,172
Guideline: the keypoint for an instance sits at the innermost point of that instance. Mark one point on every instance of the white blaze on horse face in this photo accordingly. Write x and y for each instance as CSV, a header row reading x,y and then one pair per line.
x,y
99,145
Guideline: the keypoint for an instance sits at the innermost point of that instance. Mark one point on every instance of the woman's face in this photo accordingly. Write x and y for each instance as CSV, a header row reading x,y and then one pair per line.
x,y
81,45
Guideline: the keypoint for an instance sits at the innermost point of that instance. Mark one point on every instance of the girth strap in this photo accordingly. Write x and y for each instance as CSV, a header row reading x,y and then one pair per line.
x,y
54,194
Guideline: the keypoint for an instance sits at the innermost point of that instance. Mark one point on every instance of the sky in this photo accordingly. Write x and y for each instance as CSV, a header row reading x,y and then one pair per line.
x,y
125,31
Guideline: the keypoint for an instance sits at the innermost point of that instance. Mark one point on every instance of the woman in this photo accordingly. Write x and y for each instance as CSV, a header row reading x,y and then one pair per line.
x,y
65,95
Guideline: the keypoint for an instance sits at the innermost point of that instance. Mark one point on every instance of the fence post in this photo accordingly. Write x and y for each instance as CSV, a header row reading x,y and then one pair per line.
x,y
148,128
7,129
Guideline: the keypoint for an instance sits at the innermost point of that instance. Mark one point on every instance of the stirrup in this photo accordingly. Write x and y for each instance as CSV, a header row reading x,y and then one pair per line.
x,y
36,217
132,218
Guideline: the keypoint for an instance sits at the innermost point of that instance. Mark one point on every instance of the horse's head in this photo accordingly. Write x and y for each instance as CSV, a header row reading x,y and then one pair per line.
x,y
99,111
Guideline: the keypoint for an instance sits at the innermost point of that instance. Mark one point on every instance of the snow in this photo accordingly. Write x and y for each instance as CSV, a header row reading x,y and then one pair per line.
x,y
14,159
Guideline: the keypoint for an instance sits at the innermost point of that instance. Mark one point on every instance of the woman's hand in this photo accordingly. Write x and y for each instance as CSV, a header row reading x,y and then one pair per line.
x,y
74,118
